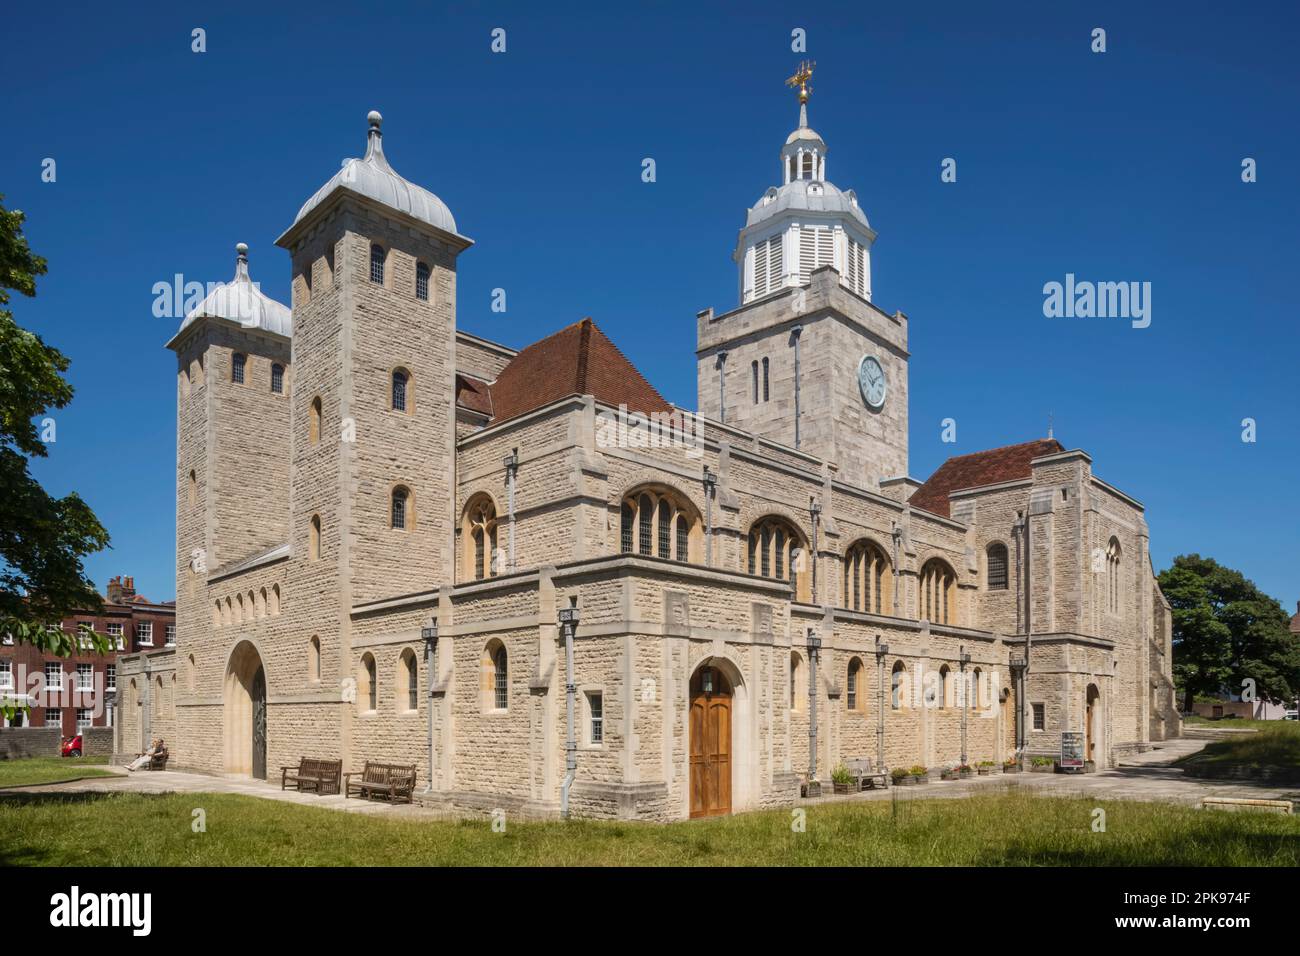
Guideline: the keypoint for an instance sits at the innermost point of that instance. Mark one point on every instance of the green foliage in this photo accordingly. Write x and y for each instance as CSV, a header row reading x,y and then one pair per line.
x,y
919,771
1225,631
42,539
1042,761
898,774
28,771
841,774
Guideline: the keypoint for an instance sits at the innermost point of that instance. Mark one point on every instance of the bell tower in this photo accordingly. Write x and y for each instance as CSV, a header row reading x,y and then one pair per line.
x,y
807,359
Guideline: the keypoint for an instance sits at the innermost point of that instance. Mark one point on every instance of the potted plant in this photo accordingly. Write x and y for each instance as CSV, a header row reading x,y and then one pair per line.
x,y
984,767
900,776
964,771
1042,765
811,788
1011,765
1090,766
919,774
948,773
842,779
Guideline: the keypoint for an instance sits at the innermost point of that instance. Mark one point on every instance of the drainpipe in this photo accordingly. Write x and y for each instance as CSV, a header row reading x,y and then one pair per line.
x,y
710,489
881,651
722,387
429,635
815,510
897,535
1019,531
814,653
795,334
569,624
964,659
511,461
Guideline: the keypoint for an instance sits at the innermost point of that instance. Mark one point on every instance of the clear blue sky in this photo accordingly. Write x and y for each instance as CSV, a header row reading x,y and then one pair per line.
x,y
1116,166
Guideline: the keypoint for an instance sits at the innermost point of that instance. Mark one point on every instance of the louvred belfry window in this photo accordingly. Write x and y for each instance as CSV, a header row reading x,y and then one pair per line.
x,y
816,249
768,266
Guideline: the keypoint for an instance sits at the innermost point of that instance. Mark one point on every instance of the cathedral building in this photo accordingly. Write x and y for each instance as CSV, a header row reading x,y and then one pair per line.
x,y
552,591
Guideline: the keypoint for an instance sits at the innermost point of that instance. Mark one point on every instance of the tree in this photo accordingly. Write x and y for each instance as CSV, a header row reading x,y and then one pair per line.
x,y
42,539
1226,633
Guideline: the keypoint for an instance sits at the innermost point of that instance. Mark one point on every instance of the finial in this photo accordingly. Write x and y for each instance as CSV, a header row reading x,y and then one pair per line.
x,y
801,78
375,140
1049,425
241,261
375,119
241,250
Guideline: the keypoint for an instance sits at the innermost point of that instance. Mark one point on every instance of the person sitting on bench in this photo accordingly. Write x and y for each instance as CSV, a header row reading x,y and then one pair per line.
x,y
143,760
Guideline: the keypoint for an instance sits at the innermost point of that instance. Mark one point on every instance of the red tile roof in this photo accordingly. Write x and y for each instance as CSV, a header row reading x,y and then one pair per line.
x,y
980,468
474,394
577,360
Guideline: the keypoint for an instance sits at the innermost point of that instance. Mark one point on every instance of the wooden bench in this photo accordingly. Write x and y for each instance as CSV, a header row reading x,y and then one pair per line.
x,y
312,773
392,780
156,762
866,776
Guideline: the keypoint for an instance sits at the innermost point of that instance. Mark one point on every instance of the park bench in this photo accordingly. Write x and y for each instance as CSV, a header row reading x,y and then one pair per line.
x,y
312,773
866,776
392,780
157,761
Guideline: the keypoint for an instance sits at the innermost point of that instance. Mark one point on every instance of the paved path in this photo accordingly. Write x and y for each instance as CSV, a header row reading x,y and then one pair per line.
x,y
1149,776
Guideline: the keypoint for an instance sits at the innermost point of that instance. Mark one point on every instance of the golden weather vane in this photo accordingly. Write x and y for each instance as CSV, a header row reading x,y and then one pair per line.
x,y
801,78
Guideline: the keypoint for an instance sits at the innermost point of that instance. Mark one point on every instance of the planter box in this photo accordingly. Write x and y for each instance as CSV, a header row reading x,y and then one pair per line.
x,y
1013,768
1050,768
964,774
983,771
811,789
843,787
919,780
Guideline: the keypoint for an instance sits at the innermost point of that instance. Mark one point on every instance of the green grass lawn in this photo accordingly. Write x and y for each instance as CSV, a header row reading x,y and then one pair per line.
x,y
1239,723
1010,828
1275,746
30,770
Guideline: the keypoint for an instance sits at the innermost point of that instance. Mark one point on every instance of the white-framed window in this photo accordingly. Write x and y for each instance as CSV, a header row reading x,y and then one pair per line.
x,y
115,635
144,633
110,678
53,676
595,718
83,719
53,717
85,677
6,675
171,635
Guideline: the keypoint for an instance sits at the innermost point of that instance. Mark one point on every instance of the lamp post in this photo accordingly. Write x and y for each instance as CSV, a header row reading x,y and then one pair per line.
x,y
569,625
429,634
814,654
881,650
963,659
710,489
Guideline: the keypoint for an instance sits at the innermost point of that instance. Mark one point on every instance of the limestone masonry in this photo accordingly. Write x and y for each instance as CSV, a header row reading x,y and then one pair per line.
x,y
762,592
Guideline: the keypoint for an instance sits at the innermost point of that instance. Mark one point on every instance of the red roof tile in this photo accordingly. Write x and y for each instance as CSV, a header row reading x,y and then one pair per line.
x,y
473,393
577,360
978,469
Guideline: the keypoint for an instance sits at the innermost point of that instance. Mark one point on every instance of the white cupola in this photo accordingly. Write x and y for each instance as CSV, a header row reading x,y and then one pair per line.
x,y
806,222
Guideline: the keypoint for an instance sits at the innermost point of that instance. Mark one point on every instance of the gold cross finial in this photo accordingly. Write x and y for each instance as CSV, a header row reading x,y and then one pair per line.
x,y
801,78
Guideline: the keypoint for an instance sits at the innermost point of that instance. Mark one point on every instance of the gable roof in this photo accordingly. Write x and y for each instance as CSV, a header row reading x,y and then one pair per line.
x,y
980,468
577,360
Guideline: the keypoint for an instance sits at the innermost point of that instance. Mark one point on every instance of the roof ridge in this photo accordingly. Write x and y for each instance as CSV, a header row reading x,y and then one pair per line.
x,y
584,355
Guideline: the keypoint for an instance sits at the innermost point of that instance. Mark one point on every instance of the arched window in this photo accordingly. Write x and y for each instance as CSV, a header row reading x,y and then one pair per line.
x,y
806,172
377,263
975,695
228,615
313,539
852,690
796,667
369,685
411,675
313,421
944,691
263,604
239,608
216,613
775,549
253,610
479,533
659,523
765,391
422,282
275,600
496,677
277,378
995,567
191,673
313,659
754,368
401,381
898,686
868,579
194,489
1113,555
237,364
938,597
402,510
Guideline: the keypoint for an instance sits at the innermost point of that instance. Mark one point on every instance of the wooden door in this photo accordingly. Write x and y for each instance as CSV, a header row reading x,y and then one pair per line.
x,y
710,744
258,693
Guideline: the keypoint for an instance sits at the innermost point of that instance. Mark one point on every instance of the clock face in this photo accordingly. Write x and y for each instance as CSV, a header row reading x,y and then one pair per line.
x,y
871,381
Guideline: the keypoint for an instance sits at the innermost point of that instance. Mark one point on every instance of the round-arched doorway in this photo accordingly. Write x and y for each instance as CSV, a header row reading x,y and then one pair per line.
x,y
245,713
710,743
1091,723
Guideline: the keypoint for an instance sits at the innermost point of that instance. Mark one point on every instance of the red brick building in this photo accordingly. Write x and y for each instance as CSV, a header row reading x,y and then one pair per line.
x,y
80,691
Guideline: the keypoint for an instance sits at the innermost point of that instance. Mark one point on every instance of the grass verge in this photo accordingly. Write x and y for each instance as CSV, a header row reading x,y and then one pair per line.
x,y
1000,829
27,771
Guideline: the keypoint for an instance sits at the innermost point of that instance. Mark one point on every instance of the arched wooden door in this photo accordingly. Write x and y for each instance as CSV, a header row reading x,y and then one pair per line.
x,y
710,743
1090,723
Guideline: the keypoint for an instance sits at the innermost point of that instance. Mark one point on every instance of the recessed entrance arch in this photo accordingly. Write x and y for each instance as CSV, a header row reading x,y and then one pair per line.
x,y
245,712
710,730
1090,717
